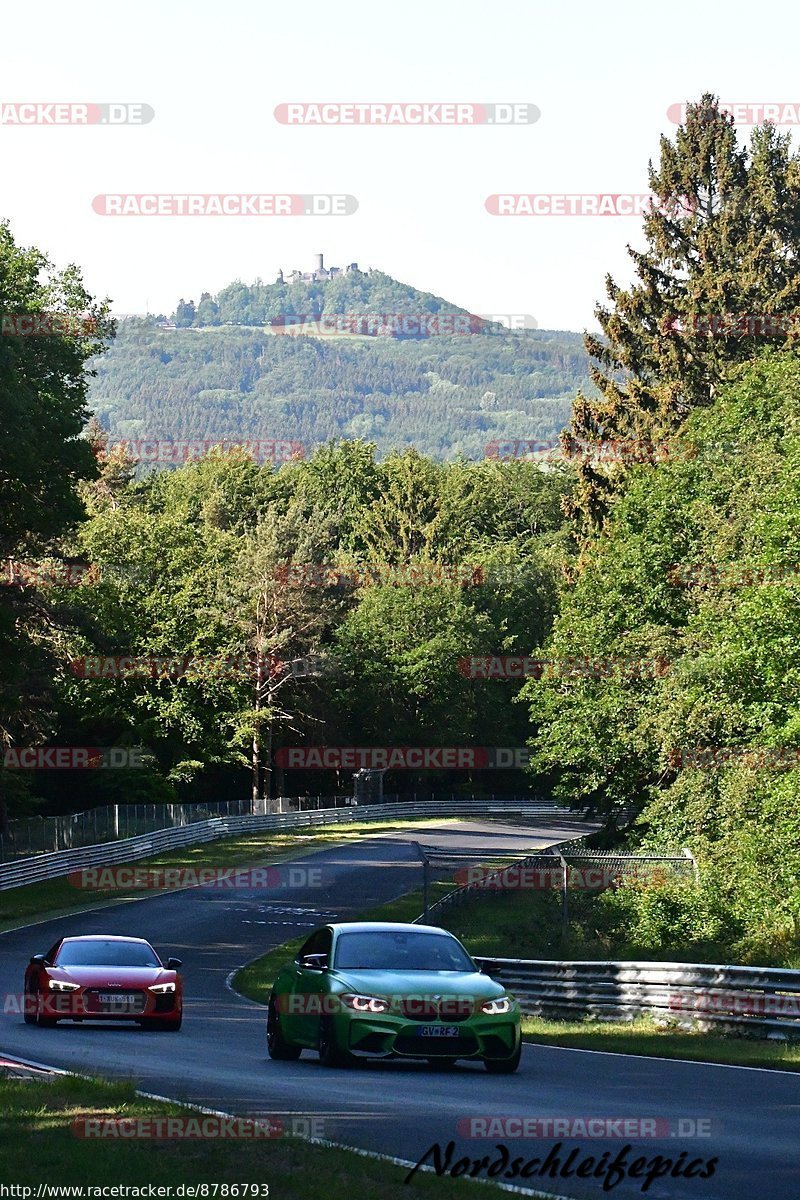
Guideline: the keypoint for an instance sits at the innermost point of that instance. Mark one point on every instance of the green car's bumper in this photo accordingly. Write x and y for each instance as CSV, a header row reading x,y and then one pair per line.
x,y
387,1035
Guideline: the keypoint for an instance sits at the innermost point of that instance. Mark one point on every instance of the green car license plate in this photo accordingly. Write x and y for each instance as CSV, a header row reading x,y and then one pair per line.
x,y
448,1031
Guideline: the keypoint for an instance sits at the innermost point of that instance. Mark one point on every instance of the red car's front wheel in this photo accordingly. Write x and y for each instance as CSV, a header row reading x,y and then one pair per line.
x,y
39,1018
30,1003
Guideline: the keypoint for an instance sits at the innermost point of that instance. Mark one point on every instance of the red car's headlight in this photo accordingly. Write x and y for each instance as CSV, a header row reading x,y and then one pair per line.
x,y
494,1008
365,1004
161,988
60,985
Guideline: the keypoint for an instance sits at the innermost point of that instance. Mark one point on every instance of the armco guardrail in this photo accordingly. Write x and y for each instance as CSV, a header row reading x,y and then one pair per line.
x,y
765,1000
26,836
62,862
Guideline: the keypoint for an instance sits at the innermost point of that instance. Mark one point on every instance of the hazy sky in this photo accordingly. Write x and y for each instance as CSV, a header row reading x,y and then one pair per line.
x,y
603,77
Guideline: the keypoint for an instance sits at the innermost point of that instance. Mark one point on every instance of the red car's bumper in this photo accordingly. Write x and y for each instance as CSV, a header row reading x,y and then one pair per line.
x,y
110,1004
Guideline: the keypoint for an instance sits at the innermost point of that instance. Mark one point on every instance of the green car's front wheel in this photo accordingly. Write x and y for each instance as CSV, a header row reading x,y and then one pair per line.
x,y
330,1053
504,1066
277,1046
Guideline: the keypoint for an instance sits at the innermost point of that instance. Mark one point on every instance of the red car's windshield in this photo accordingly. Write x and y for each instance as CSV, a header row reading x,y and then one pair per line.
x,y
400,951
102,953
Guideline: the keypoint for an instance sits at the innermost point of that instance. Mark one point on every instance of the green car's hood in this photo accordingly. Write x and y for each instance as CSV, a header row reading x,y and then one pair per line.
x,y
416,983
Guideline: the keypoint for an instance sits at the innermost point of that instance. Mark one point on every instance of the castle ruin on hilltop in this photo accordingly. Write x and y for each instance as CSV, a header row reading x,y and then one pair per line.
x,y
320,273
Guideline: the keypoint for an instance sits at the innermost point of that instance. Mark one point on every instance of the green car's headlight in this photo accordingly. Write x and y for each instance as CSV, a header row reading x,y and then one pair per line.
x,y
365,1004
493,1008
60,985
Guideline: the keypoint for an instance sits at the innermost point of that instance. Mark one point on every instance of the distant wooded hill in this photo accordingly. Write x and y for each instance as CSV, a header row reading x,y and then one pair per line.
x,y
221,371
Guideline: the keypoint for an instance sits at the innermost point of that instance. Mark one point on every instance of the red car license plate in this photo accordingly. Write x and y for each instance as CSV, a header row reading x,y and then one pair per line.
x,y
449,1031
118,999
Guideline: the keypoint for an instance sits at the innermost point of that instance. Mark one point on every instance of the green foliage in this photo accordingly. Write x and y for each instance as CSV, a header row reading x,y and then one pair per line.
x,y
358,292
723,242
42,458
443,395
731,675
188,566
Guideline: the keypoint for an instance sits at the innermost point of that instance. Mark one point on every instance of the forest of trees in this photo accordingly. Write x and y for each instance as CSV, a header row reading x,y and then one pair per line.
x,y
445,395
663,589
191,566
357,292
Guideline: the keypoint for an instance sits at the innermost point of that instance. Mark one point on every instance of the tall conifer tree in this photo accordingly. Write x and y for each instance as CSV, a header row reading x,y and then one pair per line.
x,y
722,261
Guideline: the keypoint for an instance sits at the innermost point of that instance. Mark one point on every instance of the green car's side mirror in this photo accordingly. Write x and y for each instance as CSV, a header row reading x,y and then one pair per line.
x,y
313,962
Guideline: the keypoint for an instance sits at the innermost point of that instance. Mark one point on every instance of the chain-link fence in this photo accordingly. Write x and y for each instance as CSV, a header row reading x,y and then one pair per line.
x,y
565,870
40,835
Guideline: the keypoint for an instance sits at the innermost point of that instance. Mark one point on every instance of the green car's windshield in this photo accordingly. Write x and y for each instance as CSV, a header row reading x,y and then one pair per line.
x,y
400,951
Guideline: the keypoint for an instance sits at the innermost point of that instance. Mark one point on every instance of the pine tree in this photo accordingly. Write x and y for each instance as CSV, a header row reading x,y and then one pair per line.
x,y
723,245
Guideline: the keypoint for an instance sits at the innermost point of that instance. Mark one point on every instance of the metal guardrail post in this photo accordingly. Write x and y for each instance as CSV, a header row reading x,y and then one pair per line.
x,y
696,870
564,898
425,880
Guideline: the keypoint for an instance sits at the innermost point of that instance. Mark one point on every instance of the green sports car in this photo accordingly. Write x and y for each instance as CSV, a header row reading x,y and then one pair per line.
x,y
380,989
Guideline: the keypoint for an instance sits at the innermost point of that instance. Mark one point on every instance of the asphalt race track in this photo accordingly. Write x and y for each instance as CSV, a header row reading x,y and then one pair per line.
x,y
219,1058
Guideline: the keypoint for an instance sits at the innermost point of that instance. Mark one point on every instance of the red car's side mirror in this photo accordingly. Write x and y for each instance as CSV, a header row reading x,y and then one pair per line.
x,y
173,964
38,958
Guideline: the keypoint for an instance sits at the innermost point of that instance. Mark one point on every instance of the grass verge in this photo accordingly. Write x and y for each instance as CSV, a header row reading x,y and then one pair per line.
x,y
645,1037
38,1145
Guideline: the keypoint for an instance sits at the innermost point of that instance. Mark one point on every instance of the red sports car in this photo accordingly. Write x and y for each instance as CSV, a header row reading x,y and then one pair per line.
x,y
103,978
